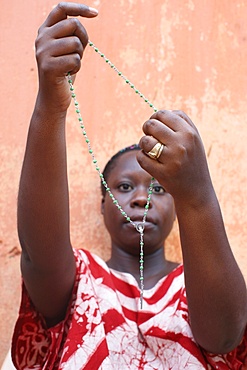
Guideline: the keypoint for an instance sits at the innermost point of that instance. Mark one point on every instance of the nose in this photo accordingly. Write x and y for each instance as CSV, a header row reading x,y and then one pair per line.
x,y
140,197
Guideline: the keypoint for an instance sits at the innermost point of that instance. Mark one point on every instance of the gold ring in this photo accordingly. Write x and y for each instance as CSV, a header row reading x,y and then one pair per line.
x,y
156,151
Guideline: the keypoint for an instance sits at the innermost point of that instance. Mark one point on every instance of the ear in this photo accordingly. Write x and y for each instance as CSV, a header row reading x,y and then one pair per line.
x,y
103,205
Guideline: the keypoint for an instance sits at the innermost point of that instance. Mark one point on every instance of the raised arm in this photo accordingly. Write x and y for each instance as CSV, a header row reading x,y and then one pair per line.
x,y
47,260
215,287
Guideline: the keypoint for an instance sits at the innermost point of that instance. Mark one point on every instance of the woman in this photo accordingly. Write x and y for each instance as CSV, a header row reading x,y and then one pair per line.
x,y
79,312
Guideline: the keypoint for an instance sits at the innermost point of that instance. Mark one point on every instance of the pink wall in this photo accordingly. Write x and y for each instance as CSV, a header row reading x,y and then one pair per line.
x,y
188,55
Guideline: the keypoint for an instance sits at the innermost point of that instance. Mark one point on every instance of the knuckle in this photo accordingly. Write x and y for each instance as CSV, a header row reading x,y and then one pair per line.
x,y
76,63
61,5
160,114
75,22
150,124
77,43
191,136
182,151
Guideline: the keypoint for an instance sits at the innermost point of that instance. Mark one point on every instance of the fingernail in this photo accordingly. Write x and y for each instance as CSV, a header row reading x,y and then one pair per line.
x,y
93,10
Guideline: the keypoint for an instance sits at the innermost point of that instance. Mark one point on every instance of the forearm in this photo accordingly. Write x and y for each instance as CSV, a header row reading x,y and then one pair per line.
x,y
43,201
215,287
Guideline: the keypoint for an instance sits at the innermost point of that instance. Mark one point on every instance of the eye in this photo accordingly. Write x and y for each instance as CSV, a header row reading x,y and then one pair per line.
x,y
125,187
158,189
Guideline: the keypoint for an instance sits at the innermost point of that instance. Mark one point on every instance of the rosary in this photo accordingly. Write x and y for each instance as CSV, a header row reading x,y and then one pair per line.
x,y
154,153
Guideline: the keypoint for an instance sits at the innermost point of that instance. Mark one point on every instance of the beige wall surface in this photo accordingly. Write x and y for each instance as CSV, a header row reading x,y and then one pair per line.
x,y
181,54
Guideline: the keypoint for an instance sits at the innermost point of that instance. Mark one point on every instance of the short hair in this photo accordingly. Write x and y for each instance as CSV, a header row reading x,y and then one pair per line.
x,y
112,161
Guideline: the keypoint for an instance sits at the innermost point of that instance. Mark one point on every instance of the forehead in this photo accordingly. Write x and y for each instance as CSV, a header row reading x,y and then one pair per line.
x,y
126,165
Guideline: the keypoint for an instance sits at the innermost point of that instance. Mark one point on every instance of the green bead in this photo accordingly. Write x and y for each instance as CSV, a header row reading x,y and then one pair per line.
x,y
87,141
90,151
96,49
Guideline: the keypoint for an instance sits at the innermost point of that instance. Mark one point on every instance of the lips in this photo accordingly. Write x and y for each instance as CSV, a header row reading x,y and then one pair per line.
x,y
137,219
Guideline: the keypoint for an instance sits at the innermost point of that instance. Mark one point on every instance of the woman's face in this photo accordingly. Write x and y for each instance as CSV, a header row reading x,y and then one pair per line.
x,y
129,184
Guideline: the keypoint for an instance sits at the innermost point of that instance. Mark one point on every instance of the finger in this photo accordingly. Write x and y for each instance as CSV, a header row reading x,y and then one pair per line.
x,y
171,119
159,130
63,10
66,47
62,65
185,117
147,143
63,29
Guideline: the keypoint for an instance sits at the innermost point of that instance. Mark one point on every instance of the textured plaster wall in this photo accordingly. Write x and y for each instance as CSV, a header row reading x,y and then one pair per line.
x,y
181,54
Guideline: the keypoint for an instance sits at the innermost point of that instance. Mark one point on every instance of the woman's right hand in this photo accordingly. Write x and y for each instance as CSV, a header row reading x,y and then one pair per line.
x,y
60,45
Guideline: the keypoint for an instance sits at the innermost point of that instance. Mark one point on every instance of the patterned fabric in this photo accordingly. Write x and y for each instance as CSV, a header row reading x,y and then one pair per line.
x,y
105,328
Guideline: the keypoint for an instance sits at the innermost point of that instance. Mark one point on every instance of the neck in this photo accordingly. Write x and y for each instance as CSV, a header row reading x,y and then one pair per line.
x,y
156,265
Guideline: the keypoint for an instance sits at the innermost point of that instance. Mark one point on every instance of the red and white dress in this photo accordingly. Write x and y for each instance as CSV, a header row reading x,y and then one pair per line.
x,y
105,328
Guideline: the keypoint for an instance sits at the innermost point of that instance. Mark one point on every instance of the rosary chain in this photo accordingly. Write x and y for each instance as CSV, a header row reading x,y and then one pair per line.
x,y
140,226
90,43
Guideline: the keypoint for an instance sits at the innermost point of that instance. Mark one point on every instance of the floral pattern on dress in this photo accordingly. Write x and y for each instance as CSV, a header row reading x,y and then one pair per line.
x,y
105,328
